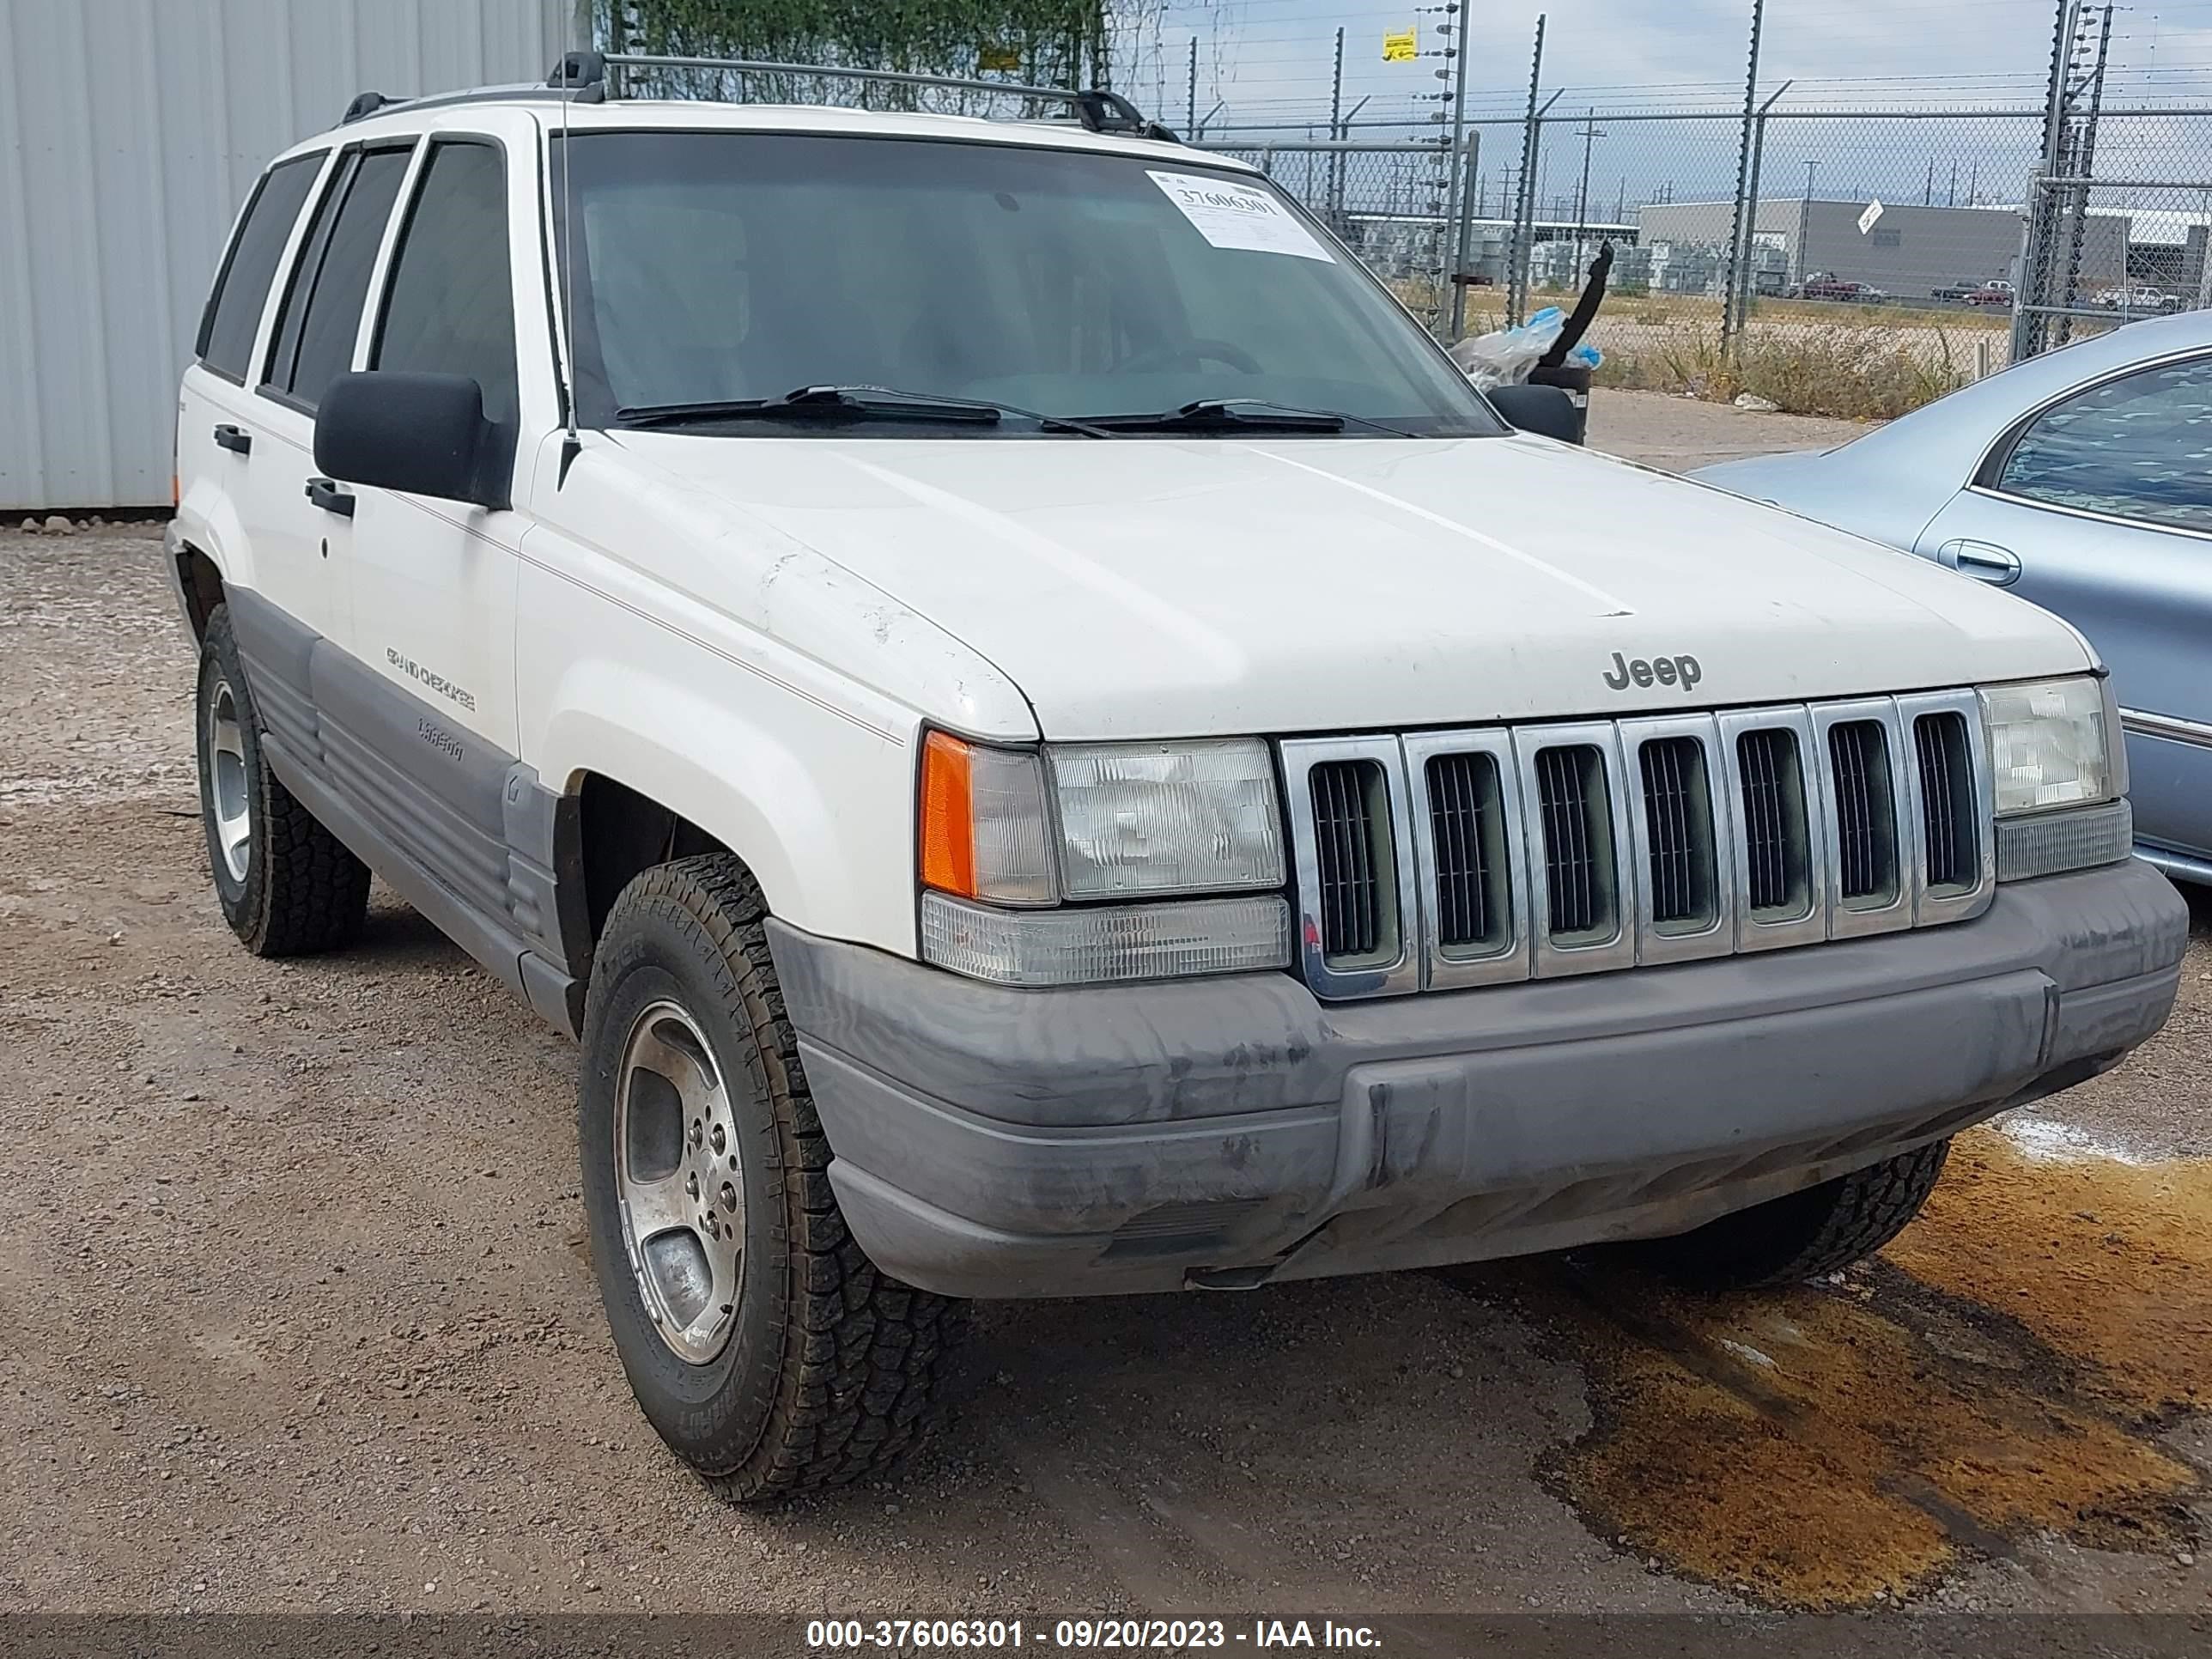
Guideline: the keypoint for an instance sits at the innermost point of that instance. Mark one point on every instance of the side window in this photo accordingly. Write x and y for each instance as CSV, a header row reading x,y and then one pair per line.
x,y
322,306
2136,447
234,307
449,306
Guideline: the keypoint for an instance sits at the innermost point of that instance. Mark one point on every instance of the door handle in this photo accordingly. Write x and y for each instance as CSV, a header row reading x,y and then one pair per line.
x,y
326,495
236,439
1984,561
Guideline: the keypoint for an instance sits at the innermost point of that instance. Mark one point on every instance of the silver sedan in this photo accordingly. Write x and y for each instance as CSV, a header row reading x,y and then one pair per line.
x,y
2081,480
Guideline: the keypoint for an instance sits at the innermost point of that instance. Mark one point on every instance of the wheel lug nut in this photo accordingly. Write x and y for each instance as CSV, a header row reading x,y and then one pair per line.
x,y
722,1142
695,1131
691,1186
729,1198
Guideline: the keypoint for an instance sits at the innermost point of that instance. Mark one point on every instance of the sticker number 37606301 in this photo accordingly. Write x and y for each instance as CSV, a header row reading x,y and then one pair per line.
x,y
1232,215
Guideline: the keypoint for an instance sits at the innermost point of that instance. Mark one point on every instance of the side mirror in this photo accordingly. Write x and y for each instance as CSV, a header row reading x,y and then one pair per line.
x,y
422,434
1545,410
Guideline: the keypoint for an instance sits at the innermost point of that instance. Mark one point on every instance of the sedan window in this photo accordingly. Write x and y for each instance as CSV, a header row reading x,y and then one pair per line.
x,y
2136,447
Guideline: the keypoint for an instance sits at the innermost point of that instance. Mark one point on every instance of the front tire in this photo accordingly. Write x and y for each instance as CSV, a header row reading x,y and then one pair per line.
x,y
287,885
762,1346
1803,1235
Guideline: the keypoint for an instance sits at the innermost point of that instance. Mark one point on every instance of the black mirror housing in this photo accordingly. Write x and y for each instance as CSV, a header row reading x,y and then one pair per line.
x,y
1545,410
422,434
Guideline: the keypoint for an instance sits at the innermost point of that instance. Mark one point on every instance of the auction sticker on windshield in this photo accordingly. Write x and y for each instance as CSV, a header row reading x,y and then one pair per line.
x,y
1230,215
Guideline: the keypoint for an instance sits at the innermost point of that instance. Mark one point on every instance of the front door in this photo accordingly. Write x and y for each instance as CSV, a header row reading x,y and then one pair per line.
x,y
433,581
2100,510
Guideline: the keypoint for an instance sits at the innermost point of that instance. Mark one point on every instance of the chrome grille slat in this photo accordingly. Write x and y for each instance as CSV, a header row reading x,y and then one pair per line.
x,y
1865,855
1562,788
1764,756
1448,859
1347,874
1462,791
1940,742
1669,810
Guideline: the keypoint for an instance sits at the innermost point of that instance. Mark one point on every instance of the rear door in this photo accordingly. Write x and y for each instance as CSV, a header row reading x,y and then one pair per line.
x,y
299,521
2098,508
218,418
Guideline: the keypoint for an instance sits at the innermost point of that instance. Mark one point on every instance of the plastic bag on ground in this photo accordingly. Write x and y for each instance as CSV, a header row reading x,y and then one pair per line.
x,y
1505,356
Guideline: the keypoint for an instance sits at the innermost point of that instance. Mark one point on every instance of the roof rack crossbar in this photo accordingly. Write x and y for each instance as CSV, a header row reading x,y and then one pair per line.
x,y
1095,108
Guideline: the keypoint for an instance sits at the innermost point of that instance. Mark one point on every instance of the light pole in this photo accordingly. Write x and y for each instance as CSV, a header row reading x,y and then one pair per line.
x,y
1805,226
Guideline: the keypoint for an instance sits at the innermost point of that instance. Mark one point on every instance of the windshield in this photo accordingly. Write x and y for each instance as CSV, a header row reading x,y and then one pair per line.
x,y
720,267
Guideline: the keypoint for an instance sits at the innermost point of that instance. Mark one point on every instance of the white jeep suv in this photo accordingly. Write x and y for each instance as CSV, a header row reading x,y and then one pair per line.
x,y
1048,742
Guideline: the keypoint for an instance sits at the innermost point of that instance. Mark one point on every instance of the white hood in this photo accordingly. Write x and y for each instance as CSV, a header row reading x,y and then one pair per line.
x,y
1163,588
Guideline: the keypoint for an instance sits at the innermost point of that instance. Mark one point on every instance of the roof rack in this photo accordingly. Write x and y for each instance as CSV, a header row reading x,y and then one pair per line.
x,y
365,104
584,73
582,77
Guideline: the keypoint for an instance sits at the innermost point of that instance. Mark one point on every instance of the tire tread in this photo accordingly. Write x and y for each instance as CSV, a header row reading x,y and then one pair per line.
x,y
1805,1235
864,1357
305,890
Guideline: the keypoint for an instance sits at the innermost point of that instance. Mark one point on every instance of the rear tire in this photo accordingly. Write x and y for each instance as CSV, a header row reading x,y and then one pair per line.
x,y
287,885
1803,1235
762,1346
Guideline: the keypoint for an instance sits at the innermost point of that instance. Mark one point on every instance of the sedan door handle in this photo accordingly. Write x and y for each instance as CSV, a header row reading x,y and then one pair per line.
x,y
236,439
326,493
1984,561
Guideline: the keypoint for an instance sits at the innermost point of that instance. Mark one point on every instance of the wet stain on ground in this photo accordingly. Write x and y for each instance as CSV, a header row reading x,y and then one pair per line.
x,y
2002,1368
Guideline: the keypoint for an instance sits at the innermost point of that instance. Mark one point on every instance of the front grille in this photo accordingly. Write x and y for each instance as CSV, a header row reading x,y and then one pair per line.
x,y
1577,850
1479,856
1346,796
1776,852
1947,829
1866,813
1679,816
1464,812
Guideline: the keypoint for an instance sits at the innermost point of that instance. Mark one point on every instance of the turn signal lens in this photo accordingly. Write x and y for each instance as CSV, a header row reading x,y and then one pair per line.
x,y
983,823
948,824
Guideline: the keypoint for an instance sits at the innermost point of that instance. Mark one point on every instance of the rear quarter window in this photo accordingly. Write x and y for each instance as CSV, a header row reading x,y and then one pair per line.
x,y
233,315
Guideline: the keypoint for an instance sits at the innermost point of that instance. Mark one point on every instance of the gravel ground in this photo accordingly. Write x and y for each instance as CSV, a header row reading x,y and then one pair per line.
x,y
292,1261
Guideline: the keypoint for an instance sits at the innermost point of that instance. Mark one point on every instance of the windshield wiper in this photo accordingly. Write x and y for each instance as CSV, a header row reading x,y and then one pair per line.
x,y
843,402
1239,414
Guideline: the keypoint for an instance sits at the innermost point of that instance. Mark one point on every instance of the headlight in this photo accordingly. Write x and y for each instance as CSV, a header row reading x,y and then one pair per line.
x,y
2052,744
1138,818
1132,820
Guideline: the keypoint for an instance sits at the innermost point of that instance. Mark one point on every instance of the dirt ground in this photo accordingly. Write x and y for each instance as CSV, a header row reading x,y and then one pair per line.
x,y
299,1319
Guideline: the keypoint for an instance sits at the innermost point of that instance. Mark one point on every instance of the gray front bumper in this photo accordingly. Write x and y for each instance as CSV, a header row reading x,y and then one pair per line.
x,y
1001,1143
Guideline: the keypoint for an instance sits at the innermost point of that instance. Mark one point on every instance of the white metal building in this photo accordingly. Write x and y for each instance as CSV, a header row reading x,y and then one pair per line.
x,y
130,133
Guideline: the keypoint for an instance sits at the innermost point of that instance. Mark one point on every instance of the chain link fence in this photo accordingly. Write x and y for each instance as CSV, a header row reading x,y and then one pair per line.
x,y
1837,261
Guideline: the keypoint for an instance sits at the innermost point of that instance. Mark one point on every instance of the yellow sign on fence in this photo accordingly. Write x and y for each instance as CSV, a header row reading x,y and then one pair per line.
x,y
1402,47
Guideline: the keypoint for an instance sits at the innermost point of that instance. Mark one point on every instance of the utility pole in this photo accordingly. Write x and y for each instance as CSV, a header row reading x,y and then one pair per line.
x,y
1953,201
1191,116
1738,227
1590,132
1805,225
1927,190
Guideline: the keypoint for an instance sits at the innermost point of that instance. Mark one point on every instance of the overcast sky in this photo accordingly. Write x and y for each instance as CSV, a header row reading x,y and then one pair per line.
x,y
1269,61
1266,56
